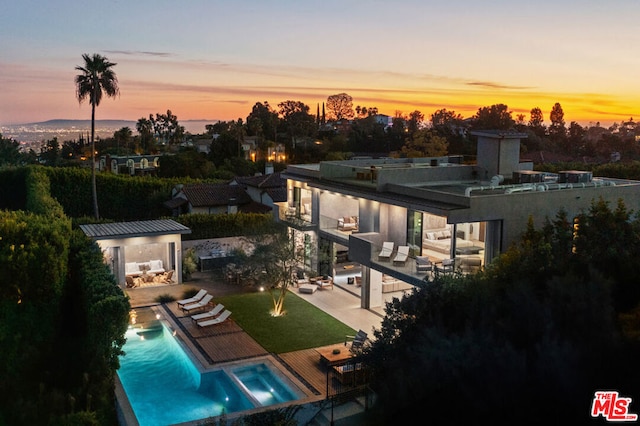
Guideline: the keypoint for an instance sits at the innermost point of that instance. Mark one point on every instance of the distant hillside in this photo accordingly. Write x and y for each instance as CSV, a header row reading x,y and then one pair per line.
x,y
64,123
64,129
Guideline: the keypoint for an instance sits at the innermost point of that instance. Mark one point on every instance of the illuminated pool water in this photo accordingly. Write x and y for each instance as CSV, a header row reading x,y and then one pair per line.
x,y
164,387
261,382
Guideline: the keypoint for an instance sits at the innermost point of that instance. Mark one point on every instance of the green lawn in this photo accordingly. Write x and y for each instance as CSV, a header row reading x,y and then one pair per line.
x,y
303,326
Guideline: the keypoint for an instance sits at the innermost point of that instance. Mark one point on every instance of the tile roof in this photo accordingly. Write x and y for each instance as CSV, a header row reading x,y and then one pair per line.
x,y
278,195
272,180
254,207
210,194
100,231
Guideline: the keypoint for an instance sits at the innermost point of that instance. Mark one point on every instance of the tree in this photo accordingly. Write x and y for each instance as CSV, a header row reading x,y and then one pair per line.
x,y
263,121
50,152
296,116
536,122
123,138
444,118
273,263
9,152
364,112
97,78
167,128
340,106
414,121
495,117
145,128
425,143
451,126
557,130
368,135
576,139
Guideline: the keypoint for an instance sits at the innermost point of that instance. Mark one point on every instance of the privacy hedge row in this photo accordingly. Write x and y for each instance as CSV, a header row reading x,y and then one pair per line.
x,y
225,225
62,317
120,198
39,200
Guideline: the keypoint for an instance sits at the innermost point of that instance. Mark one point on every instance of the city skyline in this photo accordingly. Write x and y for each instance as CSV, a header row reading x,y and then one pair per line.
x,y
213,60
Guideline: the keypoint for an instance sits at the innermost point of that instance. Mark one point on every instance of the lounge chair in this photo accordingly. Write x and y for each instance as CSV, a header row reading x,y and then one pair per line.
x,y
357,341
198,305
209,314
402,255
387,250
217,320
198,297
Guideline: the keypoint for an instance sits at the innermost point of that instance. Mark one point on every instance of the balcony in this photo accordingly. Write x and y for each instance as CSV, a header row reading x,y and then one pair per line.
x,y
294,217
367,249
340,228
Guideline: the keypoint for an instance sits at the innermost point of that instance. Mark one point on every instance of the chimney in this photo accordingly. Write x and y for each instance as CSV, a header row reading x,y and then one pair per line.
x,y
268,168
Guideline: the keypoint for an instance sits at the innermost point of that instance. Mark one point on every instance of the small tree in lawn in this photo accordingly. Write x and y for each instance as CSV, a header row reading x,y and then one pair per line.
x,y
274,261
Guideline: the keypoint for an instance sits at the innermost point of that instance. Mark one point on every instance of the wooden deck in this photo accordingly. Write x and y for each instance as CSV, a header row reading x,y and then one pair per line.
x,y
306,364
218,343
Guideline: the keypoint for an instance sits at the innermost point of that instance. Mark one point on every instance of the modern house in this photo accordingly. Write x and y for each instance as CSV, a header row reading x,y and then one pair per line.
x,y
437,212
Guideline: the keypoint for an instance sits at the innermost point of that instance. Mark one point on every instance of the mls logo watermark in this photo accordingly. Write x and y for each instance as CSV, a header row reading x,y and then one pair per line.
x,y
612,407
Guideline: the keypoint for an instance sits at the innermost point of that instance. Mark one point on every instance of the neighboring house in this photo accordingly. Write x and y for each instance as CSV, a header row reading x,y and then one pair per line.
x,y
130,164
156,243
385,120
202,146
210,198
458,216
264,189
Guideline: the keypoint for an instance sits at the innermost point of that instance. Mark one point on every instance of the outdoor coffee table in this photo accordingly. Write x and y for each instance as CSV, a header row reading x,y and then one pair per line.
x,y
329,358
307,288
468,250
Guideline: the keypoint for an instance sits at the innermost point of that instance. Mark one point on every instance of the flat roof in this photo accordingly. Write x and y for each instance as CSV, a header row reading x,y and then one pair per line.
x,y
143,228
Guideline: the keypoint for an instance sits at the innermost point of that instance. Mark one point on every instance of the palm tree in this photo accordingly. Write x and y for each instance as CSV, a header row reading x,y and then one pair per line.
x,y
96,77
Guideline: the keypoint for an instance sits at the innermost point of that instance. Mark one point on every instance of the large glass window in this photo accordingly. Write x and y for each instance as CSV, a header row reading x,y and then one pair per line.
x,y
414,231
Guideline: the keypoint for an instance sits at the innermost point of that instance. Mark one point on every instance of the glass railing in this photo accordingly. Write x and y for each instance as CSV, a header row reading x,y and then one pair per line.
x,y
406,261
293,216
345,224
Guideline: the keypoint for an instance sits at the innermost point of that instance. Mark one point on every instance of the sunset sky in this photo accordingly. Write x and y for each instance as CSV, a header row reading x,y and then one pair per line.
x,y
207,59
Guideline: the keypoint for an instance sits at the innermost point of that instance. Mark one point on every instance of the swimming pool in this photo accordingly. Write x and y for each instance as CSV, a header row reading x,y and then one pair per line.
x,y
164,386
